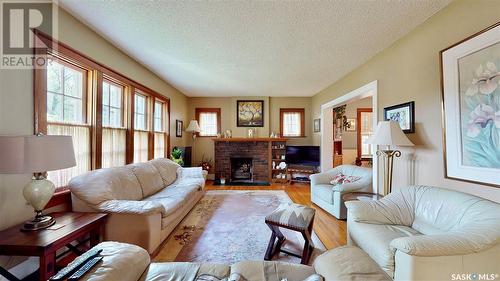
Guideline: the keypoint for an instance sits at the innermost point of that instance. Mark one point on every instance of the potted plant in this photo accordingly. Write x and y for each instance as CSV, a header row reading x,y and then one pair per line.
x,y
177,156
205,163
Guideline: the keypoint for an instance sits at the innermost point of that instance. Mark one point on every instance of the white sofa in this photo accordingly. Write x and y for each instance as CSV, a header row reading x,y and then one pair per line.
x,y
427,233
329,197
145,201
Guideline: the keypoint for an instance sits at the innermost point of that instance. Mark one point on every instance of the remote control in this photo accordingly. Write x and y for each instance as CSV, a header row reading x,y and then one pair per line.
x,y
86,267
68,270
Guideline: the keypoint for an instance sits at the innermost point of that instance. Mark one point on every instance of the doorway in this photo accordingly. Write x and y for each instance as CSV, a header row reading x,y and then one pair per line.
x,y
328,130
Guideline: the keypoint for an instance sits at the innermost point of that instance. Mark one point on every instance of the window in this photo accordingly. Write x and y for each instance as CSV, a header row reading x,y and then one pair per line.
x,y
66,114
209,121
159,130
141,134
113,131
292,122
365,124
111,125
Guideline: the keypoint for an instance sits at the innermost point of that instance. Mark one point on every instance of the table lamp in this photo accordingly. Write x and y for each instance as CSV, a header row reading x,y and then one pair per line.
x,y
388,133
37,155
193,128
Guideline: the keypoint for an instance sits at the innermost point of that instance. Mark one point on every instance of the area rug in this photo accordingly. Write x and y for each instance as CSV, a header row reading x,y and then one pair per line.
x,y
228,226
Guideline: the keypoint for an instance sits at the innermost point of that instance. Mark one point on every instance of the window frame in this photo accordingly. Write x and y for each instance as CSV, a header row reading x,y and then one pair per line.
x,y
200,110
359,142
301,111
123,108
96,74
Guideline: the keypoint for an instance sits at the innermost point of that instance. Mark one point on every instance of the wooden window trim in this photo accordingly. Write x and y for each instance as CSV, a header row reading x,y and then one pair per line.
x,y
123,110
198,111
358,130
301,111
96,73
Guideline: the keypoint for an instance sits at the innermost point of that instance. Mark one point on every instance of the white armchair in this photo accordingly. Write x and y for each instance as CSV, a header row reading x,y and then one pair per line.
x,y
427,233
329,197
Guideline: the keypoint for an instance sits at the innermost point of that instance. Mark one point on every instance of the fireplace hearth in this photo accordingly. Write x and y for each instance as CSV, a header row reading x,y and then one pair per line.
x,y
241,169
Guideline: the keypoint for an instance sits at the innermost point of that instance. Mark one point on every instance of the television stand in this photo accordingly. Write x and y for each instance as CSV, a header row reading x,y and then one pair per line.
x,y
304,170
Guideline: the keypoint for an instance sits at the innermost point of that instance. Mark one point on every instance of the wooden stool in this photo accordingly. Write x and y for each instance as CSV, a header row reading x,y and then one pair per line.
x,y
294,217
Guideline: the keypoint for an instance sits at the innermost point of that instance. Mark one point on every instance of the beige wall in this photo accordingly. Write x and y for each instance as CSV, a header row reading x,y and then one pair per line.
x,y
272,105
409,70
349,139
16,104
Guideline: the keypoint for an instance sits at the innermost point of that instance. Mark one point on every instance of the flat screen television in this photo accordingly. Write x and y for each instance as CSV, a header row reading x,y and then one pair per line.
x,y
302,155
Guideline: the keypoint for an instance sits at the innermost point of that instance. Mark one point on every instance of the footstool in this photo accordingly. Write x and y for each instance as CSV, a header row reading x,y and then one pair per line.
x,y
294,217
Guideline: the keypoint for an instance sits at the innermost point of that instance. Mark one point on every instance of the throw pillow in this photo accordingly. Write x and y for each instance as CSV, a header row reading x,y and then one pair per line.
x,y
338,179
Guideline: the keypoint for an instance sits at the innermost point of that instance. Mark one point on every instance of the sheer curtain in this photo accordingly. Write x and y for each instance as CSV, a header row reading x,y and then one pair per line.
x,y
140,146
208,124
291,124
113,147
81,145
159,145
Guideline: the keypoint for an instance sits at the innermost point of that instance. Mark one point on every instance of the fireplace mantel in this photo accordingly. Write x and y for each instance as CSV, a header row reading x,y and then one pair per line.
x,y
248,139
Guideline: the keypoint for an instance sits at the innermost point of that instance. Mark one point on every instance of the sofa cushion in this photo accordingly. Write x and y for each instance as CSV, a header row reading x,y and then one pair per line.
x,y
269,271
101,185
174,197
167,169
149,178
378,239
348,263
323,192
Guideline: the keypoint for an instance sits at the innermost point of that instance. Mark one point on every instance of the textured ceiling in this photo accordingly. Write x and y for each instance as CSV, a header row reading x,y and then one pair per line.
x,y
252,48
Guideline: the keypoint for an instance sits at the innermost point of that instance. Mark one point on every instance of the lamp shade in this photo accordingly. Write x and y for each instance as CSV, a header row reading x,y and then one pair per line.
x,y
34,154
193,127
389,133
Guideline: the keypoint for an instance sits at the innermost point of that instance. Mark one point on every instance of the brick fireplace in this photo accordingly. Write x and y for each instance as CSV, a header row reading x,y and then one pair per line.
x,y
245,159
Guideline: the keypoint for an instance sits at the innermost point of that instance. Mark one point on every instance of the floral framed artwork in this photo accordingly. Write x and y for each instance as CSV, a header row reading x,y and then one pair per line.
x,y
179,126
471,108
250,113
404,114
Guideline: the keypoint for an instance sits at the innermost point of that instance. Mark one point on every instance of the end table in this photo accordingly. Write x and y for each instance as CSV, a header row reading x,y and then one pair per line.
x,y
361,196
44,243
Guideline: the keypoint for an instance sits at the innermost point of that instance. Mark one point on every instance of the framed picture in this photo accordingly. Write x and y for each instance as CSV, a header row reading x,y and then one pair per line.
x,y
250,113
404,114
471,107
350,125
317,125
179,126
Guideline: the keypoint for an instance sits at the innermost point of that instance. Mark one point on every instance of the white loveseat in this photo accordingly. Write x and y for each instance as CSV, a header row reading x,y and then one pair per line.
x,y
329,197
427,233
145,201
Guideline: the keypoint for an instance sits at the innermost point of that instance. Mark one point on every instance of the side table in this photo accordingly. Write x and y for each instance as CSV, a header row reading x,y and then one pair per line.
x,y
44,243
361,196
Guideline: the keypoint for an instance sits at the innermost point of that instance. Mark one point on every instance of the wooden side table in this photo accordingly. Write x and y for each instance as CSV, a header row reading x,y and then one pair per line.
x,y
361,196
44,243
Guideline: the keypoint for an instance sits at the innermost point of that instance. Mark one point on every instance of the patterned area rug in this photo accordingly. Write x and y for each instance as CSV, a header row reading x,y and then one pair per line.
x,y
228,226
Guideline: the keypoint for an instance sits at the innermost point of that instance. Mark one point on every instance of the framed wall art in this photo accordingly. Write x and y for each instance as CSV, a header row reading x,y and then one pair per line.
x,y
250,113
317,125
471,107
179,126
350,125
404,114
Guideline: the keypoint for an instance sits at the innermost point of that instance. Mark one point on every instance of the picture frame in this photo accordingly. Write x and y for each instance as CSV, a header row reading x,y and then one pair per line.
x,y
404,114
250,113
317,125
350,125
179,127
470,87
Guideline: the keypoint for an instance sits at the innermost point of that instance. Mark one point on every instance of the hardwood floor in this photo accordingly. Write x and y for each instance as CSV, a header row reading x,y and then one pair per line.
x,y
331,231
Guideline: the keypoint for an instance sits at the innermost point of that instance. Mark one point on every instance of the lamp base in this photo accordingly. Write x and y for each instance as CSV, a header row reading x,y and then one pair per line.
x,y
39,222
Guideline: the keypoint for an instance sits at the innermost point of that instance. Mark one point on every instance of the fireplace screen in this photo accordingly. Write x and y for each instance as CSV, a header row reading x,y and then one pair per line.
x,y
241,169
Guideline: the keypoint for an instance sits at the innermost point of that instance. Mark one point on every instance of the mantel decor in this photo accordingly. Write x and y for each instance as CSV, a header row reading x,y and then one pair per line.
x,y
250,113
471,107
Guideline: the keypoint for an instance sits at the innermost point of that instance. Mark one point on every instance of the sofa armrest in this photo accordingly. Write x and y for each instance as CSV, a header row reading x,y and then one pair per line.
x,y
378,212
323,178
447,244
353,187
131,207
